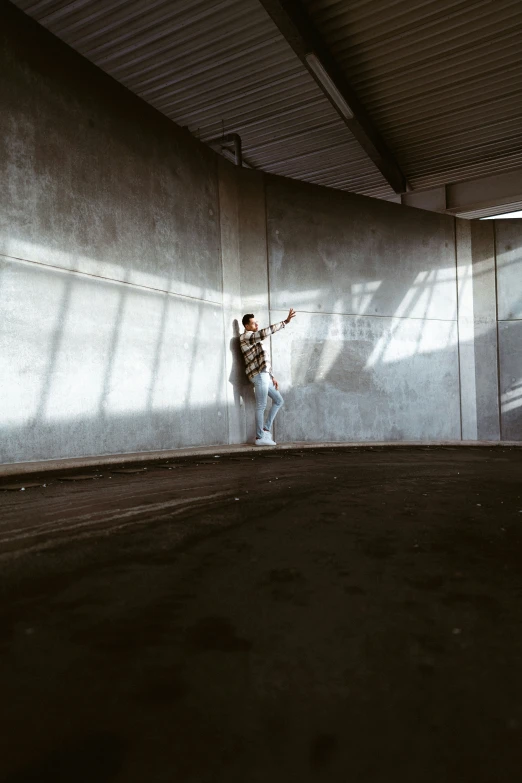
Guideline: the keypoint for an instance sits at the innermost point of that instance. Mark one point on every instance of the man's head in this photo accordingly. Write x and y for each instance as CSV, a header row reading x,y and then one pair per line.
x,y
250,323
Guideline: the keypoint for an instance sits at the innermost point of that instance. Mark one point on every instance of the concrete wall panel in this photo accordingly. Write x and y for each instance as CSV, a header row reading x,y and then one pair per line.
x,y
510,349
236,380
509,286
366,378
253,243
478,330
392,372
466,322
485,339
255,288
95,180
111,286
93,367
335,252
509,268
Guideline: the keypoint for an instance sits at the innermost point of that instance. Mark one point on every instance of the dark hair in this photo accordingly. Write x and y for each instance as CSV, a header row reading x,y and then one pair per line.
x,y
246,318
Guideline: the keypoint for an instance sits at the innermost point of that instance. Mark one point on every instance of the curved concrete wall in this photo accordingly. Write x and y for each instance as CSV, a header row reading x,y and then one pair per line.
x,y
129,251
374,355
111,290
508,235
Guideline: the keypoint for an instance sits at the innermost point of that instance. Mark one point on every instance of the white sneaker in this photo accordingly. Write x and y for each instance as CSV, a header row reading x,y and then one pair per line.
x,y
266,440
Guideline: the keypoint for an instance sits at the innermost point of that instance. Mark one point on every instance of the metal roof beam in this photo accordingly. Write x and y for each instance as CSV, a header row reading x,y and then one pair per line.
x,y
301,34
458,197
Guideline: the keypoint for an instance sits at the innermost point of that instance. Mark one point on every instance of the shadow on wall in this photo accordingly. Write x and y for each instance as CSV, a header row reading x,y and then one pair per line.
x,y
238,379
90,366
510,345
508,235
243,410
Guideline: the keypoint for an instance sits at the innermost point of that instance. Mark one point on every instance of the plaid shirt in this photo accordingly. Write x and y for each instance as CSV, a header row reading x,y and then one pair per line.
x,y
256,358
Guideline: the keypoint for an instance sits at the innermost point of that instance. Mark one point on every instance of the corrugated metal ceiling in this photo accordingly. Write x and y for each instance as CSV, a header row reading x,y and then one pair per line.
x,y
441,79
214,66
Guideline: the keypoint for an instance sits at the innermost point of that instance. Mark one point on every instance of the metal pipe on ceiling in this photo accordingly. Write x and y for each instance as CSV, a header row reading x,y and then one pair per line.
x,y
229,138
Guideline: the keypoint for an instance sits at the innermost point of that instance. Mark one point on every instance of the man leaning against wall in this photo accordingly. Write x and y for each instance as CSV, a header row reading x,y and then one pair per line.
x,y
259,372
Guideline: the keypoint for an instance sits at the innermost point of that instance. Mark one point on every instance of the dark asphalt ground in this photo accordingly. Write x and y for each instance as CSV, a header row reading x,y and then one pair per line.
x,y
350,615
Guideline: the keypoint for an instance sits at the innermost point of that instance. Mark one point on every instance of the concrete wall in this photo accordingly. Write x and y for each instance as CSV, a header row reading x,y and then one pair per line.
x,y
129,252
246,289
111,288
509,284
478,330
373,353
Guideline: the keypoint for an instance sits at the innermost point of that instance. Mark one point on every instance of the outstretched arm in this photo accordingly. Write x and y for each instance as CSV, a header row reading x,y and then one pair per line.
x,y
262,334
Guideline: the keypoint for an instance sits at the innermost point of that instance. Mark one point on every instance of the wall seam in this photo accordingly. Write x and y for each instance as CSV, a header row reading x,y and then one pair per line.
x,y
458,330
113,280
372,315
499,395
218,178
267,253
268,280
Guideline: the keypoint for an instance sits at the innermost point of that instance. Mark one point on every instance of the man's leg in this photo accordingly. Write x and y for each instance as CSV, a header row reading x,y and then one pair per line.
x,y
277,404
261,383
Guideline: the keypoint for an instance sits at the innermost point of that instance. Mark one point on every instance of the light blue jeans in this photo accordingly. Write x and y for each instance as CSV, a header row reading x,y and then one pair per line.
x,y
264,388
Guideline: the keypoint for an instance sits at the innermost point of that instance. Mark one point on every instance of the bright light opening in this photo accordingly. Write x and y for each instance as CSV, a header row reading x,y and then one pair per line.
x,y
505,215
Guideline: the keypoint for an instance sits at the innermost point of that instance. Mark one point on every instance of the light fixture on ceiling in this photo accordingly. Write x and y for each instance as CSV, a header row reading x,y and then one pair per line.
x,y
328,86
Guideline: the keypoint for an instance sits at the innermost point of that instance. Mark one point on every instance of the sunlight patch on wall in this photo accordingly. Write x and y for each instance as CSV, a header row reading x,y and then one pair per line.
x,y
332,347
80,354
509,270
409,337
356,300
33,253
362,295
30,325
423,299
82,347
512,398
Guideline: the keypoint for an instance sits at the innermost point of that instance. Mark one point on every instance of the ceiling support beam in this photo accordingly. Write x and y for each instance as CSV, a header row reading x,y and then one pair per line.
x,y
301,34
457,197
